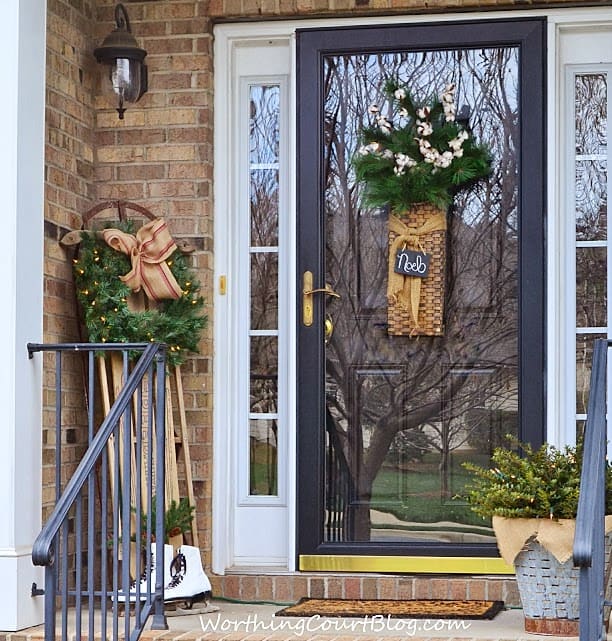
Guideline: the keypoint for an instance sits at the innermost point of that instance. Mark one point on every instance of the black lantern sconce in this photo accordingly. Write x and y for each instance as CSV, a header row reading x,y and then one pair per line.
x,y
120,51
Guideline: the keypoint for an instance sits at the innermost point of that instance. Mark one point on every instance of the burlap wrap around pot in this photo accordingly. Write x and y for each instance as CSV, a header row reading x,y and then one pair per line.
x,y
416,305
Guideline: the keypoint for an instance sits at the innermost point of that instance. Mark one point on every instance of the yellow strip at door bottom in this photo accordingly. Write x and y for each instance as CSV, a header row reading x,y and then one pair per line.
x,y
405,564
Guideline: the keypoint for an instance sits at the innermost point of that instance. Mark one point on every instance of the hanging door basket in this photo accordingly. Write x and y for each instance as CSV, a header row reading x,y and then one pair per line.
x,y
416,303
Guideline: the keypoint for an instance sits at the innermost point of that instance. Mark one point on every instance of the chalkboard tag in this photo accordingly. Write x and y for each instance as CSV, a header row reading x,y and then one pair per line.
x,y
411,263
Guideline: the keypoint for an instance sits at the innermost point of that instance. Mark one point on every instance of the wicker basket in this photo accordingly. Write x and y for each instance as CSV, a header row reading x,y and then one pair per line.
x,y
430,316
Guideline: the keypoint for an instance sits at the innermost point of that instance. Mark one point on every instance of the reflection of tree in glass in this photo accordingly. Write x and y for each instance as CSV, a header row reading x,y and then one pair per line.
x,y
264,134
591,152
264,163
440,379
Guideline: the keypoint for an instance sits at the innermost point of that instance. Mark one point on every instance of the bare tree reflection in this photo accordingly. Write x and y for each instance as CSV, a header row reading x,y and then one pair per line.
x,y
422,391
264,136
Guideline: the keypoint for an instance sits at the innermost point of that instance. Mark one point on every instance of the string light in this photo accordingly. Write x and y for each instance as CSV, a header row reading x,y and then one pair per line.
x,y
106,304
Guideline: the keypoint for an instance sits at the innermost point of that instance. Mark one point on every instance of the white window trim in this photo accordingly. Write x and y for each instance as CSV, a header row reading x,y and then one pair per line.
x,y
560,354
230,380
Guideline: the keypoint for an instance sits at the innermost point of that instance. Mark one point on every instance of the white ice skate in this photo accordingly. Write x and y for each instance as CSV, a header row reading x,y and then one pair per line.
x,y
188,581
149,577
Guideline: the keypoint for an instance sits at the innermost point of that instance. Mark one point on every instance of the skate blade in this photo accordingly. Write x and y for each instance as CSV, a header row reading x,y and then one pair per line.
x,y
190,600
181,612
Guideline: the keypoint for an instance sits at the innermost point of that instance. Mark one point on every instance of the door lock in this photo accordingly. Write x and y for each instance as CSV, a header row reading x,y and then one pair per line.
x,y
307,292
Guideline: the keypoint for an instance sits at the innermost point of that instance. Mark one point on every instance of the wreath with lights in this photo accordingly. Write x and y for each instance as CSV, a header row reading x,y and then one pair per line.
x,y
100,277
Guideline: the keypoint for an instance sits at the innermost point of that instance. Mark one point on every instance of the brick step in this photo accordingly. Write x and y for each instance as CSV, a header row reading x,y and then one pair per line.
x,y
292,587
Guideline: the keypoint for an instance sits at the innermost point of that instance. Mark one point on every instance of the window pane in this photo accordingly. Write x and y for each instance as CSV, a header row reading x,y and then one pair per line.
x,y
584,358
591,114
264,124
264,207
591,199
591,126
591,287
264,291
264,374
404,412
263,458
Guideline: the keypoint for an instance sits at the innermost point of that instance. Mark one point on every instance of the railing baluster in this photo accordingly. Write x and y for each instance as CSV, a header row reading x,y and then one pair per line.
x,y
64,580
78,569
103,543
91,521
58,426
159,621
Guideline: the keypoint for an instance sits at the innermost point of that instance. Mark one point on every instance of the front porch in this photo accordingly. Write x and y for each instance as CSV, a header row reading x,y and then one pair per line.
x,y
256,622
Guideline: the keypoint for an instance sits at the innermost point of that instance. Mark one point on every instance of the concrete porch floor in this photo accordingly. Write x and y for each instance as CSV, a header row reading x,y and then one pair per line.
x,y
256,622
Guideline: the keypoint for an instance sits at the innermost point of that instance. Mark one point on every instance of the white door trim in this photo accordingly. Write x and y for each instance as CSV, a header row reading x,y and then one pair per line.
x,y
229,38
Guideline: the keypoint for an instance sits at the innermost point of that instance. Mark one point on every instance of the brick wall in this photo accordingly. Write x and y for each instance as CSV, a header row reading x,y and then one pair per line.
x,y
160,156
69,189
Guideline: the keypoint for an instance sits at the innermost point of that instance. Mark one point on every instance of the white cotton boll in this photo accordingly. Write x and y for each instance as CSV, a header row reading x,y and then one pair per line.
x,y
373,109
458,153
400,94
387,153
384,125
424,128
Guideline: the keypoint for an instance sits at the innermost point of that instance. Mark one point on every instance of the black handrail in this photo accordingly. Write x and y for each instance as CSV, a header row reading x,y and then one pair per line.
x,y
42,548
128,554
589,547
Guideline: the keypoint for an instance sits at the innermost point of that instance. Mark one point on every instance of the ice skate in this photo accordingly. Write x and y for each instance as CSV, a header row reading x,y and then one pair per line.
x,y
148,578
188,583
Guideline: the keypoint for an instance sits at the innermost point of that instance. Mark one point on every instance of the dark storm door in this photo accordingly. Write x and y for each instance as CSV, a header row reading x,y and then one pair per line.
x,y
385,421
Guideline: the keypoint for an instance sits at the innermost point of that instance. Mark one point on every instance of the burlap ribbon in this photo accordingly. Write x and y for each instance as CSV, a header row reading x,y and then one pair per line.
x,y
556,536
148,251
405,291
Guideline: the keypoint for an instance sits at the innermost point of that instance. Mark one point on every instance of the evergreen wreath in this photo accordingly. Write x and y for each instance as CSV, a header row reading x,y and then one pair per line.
x,y
418,153
103,298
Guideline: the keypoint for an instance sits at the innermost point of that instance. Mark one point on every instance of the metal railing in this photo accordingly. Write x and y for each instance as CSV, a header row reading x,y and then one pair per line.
x,y
589,546
97,546
340,488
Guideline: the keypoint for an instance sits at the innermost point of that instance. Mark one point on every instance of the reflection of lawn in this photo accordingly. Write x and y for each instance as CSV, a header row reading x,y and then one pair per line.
x,y
414,494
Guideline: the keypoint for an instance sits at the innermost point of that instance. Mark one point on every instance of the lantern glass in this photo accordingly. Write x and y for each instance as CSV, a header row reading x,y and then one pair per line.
x,y
126,78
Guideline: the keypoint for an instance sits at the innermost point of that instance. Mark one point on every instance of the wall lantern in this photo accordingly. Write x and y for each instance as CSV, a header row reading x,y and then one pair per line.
x,y
120,51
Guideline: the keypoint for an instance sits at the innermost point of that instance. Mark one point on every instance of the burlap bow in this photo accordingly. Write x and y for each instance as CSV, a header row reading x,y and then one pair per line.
x,y
405,291
148,251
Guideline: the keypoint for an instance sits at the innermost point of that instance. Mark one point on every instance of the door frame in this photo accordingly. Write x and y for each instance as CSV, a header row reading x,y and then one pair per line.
x,y
229,38
312,46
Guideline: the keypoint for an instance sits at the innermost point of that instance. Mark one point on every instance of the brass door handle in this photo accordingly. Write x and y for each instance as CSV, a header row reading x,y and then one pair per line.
x,y
307,292
323,290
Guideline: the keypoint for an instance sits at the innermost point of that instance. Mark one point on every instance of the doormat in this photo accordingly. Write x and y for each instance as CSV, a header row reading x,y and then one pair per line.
x,y
413,609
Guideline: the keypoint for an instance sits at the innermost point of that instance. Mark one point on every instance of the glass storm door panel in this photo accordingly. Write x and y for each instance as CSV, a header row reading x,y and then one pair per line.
x,y
386,421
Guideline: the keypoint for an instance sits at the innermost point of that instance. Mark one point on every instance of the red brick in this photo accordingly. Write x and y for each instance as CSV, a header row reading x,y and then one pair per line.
x,y
283,589
265,591
422,588
458,589
440,589
352,588
387,588
477,589
405,588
